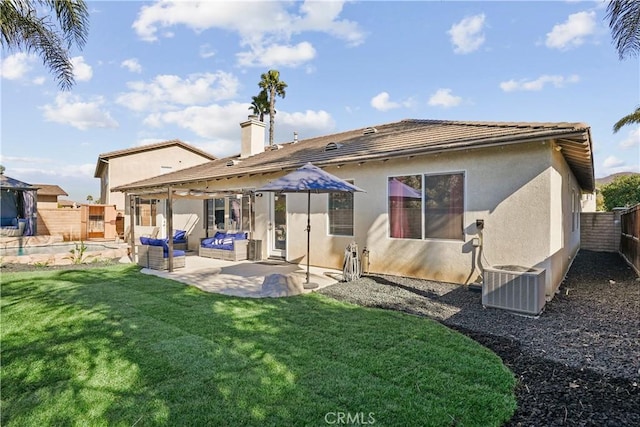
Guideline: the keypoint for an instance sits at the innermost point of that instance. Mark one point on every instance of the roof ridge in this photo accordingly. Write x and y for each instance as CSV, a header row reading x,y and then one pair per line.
x,y
146,147
501,124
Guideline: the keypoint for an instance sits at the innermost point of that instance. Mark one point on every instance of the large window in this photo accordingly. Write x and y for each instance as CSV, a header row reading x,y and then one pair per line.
x,y
405,207
228,213
444,206
426,206
341,213
146,212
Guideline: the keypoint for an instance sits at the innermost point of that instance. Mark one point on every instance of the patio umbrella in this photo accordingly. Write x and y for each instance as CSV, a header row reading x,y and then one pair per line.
x,y
309,179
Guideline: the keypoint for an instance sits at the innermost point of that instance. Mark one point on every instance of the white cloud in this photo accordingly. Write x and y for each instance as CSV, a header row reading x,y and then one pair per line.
x,y
16,66
213,121
81,70
218,125
612,162
277,55
206,51
71,110
132,65
38,81
539,83
444,98
632,140
467,34
381,102
307,124
262,26
572,32
169,91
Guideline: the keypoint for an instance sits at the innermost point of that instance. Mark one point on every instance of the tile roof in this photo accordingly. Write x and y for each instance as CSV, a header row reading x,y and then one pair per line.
x,y
402,138
50,190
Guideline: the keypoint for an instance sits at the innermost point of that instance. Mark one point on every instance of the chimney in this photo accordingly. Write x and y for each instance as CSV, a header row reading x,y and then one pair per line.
x,y
251,137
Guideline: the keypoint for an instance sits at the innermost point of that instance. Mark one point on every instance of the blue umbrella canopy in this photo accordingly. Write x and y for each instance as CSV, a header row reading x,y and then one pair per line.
x,y
309,178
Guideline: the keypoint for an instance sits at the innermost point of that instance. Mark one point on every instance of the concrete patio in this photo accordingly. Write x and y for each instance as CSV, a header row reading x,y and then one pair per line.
x,y
242,278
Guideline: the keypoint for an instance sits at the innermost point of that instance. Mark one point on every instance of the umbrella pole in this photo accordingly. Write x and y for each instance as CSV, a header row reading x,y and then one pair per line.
x,y
308,230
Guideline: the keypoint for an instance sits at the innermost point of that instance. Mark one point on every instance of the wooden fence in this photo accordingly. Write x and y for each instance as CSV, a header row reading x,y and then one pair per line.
x,y
630,236
600,231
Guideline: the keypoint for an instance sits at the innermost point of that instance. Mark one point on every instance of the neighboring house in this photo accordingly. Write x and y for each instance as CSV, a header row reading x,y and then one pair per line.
x,y
123,166
521,181
588,202
48,195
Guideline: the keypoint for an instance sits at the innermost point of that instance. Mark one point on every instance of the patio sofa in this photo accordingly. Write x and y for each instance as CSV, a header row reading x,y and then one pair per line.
x,y
180,240
231,246
12,227
154,254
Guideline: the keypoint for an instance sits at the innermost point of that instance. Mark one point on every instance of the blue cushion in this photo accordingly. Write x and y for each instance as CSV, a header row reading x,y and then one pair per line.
x,y
214,246
219,235
165,254
157,242
207,241
179,235
144,240
7,221
227,241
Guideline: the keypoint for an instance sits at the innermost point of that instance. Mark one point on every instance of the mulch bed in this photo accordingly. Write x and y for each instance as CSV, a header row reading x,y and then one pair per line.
x,y
578,364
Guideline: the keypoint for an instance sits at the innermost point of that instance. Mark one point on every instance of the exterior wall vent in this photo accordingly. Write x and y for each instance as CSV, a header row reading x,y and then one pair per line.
x,y
332,146
233,162
369,131
514,288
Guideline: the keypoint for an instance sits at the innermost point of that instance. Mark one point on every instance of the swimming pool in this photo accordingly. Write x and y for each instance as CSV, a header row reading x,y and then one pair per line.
x,y
58,248
59,253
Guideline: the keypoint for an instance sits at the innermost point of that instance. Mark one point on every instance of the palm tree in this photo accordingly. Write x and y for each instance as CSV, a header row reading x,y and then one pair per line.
x,y
24,30
627,120
271,83
624,22
260,104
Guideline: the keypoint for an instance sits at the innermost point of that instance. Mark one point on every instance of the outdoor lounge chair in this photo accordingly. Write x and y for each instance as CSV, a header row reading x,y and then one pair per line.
x,y
154,254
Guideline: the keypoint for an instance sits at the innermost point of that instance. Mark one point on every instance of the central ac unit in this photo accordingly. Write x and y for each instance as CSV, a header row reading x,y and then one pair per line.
x,y
515,288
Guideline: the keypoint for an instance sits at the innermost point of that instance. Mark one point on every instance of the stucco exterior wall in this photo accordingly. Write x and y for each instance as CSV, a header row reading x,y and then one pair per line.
x,y
522,192
565,222
146,164
506,187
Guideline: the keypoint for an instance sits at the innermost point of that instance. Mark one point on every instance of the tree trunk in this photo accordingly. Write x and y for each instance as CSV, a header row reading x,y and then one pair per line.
x,y
272,113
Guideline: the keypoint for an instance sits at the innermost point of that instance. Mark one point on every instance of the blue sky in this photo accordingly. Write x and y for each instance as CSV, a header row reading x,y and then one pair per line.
x,y
155,71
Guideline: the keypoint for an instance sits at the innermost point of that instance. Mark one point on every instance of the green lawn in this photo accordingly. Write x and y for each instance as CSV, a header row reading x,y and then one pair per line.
x,y
111,346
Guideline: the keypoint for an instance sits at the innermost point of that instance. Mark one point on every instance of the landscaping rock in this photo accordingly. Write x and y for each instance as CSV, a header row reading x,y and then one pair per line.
x,y
281,285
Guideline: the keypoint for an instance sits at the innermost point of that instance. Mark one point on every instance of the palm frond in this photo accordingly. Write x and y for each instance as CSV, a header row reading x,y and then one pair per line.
x,y
624,22
627,120
23,29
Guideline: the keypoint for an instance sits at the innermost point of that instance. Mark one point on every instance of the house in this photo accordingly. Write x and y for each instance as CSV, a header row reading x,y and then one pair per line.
x,y
48,195
443,200
122,166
